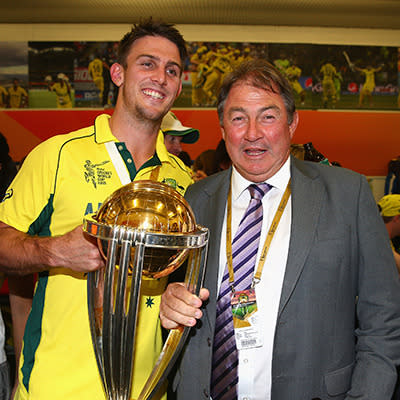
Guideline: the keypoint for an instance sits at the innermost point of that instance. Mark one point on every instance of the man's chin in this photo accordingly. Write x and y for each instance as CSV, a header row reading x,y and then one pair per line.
x,y
151,115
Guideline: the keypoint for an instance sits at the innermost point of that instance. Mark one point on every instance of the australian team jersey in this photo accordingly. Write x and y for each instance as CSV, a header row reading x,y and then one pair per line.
x,y
62,180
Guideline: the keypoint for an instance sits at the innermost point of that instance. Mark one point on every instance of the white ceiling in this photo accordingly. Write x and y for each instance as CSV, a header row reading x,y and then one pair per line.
x,y
382,14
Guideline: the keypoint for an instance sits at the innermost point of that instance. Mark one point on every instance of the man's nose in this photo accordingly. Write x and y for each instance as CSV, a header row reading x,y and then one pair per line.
x,y
252,132
160,75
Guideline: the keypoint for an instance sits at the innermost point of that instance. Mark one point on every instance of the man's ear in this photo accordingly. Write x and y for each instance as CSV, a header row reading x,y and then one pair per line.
x,y
223,132
179,90
293,125
117,74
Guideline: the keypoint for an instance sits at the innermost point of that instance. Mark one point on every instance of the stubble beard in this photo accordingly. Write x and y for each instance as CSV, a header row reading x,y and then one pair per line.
x,y
141,113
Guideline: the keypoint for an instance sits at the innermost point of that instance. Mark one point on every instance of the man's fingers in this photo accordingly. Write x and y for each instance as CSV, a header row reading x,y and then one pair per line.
x,y
204,294
171,319
180,307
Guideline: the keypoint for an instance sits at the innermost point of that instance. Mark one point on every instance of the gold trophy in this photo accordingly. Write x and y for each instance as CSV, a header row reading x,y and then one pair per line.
x,y
144,228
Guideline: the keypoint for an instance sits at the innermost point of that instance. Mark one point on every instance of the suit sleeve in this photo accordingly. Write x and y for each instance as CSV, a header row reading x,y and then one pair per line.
x,y
378,306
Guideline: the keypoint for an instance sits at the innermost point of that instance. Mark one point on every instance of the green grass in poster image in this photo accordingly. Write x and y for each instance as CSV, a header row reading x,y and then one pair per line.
x,y
45,99
314,101
351,102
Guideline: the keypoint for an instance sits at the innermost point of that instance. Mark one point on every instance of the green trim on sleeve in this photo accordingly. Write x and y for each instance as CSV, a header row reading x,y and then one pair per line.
x,y
34,327
41,226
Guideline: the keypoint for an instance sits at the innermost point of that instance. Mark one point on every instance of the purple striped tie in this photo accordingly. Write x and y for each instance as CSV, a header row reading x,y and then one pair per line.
x,y
244,252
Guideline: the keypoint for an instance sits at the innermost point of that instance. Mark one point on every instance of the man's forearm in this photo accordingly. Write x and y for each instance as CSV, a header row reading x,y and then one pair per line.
x,y
20,254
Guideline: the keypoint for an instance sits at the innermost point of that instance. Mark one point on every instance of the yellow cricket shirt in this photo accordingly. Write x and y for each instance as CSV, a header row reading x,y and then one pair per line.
x,y
15,96
63,94
63,179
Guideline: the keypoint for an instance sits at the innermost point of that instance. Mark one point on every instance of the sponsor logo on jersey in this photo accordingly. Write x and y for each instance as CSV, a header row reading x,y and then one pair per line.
x,y
96,173
90,208
8,194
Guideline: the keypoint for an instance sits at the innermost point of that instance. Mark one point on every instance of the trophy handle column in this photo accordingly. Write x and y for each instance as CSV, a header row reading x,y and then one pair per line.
x,y
177,337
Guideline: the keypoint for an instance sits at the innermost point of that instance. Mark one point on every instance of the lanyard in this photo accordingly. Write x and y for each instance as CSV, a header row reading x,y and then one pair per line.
x,y
268,239
120,166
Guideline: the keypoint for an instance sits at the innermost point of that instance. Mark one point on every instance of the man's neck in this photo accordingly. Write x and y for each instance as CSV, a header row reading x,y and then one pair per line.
x,y
140,137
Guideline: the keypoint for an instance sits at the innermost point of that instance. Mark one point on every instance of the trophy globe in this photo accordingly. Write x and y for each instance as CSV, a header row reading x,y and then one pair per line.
x,y
151,207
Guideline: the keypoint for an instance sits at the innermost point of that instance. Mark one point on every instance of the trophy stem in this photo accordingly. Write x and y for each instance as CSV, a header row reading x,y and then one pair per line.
x,y
132,312
108,315
177,337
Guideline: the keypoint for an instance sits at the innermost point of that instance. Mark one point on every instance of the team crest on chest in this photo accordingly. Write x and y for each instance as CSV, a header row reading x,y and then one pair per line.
x,y
170,182
96,174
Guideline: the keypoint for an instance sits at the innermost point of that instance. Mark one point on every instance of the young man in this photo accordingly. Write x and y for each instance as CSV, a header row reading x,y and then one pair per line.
x,y
64,179
321,316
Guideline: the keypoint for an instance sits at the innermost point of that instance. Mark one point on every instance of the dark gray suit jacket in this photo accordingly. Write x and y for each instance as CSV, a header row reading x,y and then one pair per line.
x,y
338,327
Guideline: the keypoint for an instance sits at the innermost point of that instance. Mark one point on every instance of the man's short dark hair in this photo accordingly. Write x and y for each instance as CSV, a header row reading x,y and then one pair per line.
x,y
260,74
151,28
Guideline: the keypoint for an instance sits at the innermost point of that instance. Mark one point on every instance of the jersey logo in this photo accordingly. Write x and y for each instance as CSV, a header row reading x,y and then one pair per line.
x,y
170,182
8,194
174,184
96,174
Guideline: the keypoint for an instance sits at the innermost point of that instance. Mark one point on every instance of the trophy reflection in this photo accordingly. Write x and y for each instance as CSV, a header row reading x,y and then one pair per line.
x,y
145,228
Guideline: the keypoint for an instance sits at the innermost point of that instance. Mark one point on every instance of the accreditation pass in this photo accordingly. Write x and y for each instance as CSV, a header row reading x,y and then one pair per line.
x,y
246,319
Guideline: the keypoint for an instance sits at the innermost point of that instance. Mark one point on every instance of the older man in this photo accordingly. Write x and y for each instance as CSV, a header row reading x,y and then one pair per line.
x,y
312,312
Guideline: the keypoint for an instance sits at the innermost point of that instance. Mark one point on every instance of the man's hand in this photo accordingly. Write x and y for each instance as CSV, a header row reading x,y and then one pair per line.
x,y
75,250
180,307
22,254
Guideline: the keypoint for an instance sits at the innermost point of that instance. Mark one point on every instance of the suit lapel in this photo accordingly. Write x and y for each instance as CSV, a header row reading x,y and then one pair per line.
x,y
307,194
214,212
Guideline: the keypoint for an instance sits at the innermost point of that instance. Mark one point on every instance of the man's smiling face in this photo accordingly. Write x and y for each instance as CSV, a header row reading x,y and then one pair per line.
x,y
152,77
256,131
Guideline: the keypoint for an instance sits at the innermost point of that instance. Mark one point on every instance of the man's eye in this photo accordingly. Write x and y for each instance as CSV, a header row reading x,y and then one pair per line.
x,y
269,117
172,72
147,64
237,119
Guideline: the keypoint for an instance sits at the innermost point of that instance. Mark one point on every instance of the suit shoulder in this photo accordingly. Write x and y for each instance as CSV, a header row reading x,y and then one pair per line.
x,y
208,186
328,173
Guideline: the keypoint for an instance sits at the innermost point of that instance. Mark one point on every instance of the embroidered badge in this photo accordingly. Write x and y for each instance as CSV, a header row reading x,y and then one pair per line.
x,y
170,182
96,174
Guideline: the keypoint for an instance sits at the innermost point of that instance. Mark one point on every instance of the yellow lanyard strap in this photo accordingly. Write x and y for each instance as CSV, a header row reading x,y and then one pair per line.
x,y
268,239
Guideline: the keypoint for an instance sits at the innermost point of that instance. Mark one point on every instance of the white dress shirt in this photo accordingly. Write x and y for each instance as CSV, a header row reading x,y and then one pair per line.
x,y
255,364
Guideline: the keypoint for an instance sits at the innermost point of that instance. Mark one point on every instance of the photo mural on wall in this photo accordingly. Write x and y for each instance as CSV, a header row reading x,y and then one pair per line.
x,y
14,80
76,74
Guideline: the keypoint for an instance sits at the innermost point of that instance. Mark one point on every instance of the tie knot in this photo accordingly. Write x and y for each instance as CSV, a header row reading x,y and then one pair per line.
x,y
257,191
